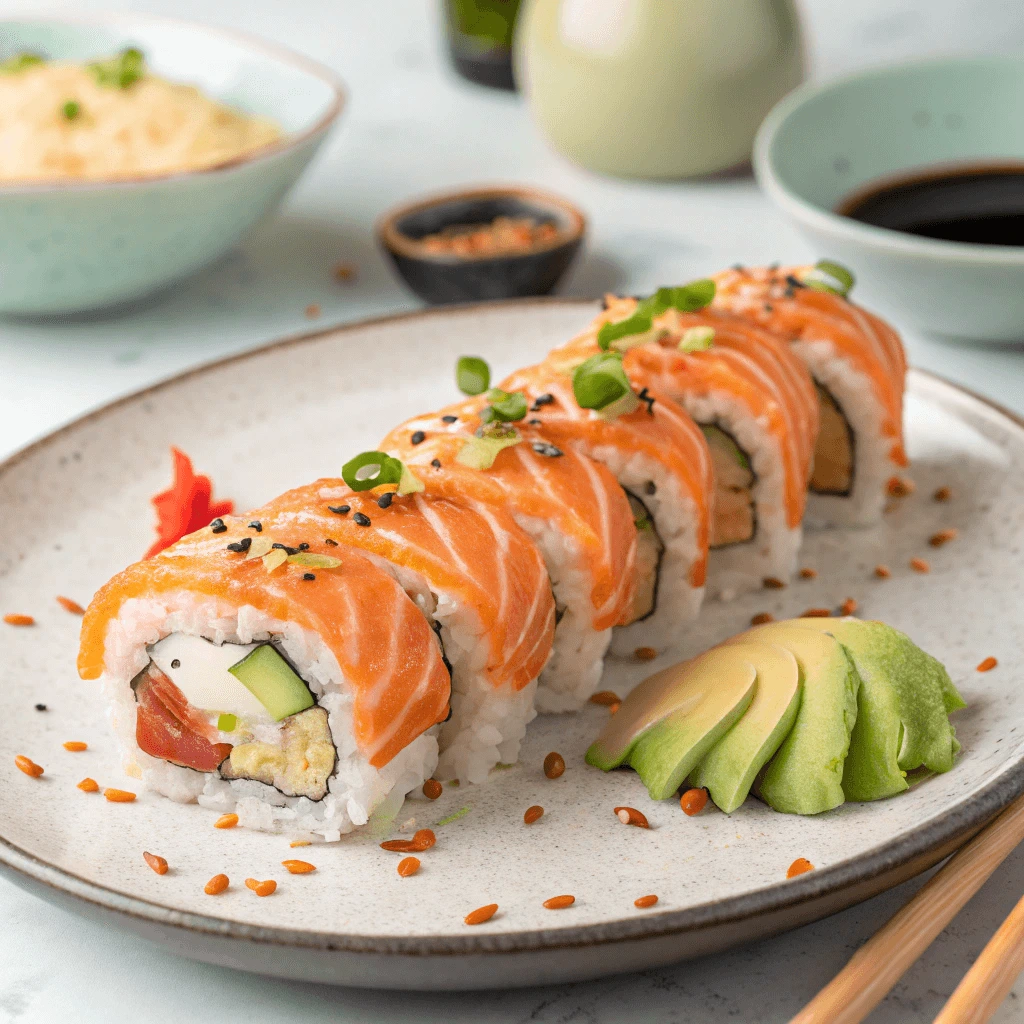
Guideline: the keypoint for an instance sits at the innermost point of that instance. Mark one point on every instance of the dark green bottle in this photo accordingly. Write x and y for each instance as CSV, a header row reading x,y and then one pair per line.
x,y
480,39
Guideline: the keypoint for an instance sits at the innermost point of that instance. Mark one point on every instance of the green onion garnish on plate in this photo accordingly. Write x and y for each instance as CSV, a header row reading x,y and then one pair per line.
x,y
601,384
71,110
472,375
480,451
506,406
19,62
696,339
827,276
121,71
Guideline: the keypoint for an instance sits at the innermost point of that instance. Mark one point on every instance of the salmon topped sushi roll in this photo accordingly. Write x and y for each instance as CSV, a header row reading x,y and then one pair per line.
x,y
859,369
299,688
474,574
753,400
571,507
661,460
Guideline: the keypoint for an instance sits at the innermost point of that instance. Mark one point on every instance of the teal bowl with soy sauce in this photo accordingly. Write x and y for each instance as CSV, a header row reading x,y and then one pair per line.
x,y
69,246
826,146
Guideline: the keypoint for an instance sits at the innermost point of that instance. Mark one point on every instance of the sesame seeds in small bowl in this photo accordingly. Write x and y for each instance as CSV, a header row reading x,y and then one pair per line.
x,y
489,243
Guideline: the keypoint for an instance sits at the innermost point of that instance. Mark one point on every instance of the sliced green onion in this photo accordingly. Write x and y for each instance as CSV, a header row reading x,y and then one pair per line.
x,y
638,323
408,482
19,62
227,723
121,71
371,469
480,451
472,375
827,276
643,523
314,561
620,407
600,381
697,339
506,406
71,110
687,298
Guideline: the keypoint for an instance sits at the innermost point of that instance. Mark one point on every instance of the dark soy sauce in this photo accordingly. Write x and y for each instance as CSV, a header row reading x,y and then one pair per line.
x,y
978,203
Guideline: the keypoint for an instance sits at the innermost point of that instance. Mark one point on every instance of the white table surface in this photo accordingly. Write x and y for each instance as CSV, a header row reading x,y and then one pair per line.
x,y
412,127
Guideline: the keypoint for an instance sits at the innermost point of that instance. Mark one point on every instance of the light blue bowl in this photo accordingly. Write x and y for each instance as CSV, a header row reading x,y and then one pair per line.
x,y
822,142
72,247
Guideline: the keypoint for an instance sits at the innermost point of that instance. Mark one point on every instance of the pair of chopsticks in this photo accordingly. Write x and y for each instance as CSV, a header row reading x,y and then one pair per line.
x,y
873,970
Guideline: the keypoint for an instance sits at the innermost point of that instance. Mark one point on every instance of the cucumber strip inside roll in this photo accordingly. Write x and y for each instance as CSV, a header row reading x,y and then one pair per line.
x,y
735,517
834,457
650,550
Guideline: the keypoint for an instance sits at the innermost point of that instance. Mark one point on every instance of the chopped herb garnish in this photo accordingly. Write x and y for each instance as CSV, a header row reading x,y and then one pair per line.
x,y
71,110
274,559
19,62
472,375
256,525
371,469
449,419
339,510
643,523
121,71
540,401
227,722
543,448
479,452
827,276
312,560
436,463
384,501
217,526
308,576
687,298
506,406
637,324
239,546
360,520
697,339
601,384
418,437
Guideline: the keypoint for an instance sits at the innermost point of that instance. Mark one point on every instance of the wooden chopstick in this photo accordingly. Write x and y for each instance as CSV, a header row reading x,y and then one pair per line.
x,y
985,985
873,970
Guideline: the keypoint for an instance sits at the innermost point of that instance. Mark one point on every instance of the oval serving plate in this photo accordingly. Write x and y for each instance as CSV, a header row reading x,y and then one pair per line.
x,y
74,508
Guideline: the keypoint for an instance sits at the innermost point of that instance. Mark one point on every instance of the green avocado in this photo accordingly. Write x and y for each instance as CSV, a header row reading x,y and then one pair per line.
x,y
806,774
729,769
905,698
671,720
273,682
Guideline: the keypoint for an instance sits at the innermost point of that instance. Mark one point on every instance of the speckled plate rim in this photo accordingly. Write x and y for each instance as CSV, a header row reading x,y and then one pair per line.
x,y
883,863
287,143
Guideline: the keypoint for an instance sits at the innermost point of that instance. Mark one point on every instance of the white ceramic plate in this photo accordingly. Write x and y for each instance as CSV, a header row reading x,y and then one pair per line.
x,y
74,509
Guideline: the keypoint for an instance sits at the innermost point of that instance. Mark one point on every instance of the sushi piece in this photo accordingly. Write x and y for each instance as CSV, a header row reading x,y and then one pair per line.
x,y
299,694
661,460
859,369
473,573
571,507
756,405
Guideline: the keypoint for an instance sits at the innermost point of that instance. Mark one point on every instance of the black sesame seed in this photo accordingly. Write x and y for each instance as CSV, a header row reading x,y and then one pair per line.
x,y
772,267
738,267
217,526
241,545
384,501
651,487
436,463
540,401
287,550
40,707
331,543
543,448
794,282
768,307
418,437
534,423
340,510
649,399
789,293
256,525
308,576
360,520
176,663
303,546
449,419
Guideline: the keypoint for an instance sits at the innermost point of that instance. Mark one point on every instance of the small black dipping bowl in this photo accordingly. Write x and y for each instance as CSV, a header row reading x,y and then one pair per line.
x,y
445,277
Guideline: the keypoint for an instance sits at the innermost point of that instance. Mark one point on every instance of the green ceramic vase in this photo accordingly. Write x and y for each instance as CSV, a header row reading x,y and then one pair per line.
x,y
656,88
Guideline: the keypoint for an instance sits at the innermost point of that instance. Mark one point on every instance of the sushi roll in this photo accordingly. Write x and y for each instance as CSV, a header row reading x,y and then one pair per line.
x,y
661,460
859,370
300,690
571,507
755,403
473,573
